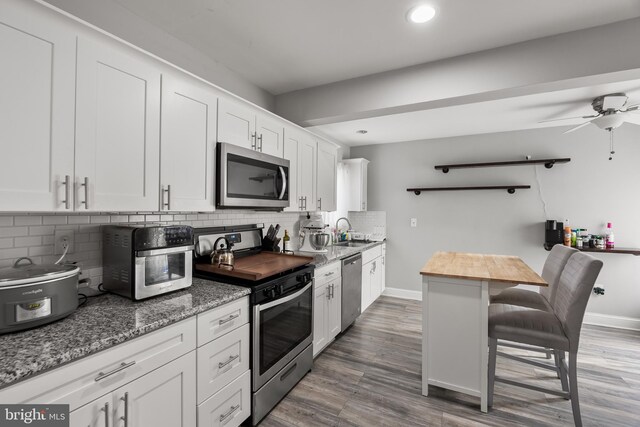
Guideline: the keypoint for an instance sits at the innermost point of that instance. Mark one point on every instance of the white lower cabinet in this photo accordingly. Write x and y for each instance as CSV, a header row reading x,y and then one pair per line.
x,y
327,306
162,398
373,273
230,406
157,380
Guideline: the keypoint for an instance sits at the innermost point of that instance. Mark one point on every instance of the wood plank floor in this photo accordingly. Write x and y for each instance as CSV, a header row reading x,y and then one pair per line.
x,y
371,376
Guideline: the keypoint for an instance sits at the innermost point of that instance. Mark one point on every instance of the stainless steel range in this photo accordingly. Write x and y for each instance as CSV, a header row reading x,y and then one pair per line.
x,y
282,314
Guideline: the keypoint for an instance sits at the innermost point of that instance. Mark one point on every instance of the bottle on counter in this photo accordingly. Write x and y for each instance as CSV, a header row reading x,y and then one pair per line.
x,y
609,239
286,241
574,236
567,236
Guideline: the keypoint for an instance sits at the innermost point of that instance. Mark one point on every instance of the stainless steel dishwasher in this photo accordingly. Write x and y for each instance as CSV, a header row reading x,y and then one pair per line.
x,y
351,290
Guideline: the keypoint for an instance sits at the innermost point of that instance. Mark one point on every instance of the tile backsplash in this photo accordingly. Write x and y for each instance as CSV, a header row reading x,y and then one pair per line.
x,y
32,235
374,222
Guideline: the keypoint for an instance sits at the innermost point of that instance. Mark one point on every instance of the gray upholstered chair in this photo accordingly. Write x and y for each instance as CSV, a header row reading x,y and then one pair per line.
x,y
551,272
558,329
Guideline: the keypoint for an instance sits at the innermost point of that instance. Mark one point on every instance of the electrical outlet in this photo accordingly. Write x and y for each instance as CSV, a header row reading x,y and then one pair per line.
x,y
62,238
414,222
527,157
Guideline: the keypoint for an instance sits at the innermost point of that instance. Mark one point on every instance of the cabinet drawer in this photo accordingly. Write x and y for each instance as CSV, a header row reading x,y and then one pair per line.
x,y
89,378
371,254
230,406
217,322
221,361
327,273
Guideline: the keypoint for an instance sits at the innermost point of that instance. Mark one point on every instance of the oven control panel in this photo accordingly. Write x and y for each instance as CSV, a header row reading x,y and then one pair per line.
x,y
283,286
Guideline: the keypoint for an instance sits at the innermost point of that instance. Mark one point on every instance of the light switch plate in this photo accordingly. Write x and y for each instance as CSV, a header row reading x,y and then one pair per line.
x,y
414,222
59,237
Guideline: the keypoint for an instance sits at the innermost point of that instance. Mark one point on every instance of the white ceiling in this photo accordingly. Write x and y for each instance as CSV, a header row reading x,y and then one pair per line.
x,y
284,45
523,112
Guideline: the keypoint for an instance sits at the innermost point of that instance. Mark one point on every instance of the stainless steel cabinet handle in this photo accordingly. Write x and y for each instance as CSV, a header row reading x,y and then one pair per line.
x,y
305,203
328,292
125,417
319,203
67,195
329,273
229,360
106,414
253,141
123,365
260,146
333,290
85,184
300,203
229,412
167,203
228,319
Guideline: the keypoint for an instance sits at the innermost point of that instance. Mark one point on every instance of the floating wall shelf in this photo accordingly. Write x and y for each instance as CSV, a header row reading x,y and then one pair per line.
x,y
628,251
548,163
510,188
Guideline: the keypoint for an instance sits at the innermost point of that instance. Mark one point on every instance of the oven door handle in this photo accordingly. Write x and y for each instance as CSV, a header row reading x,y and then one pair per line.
x,y
167,251
284,182
285,299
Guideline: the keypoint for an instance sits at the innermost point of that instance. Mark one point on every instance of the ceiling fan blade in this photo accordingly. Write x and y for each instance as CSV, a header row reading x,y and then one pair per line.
x,y
615,102
576,128
569,118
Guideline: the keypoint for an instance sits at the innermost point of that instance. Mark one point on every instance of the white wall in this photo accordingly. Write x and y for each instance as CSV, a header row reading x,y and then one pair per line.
x,y
117,20
588,191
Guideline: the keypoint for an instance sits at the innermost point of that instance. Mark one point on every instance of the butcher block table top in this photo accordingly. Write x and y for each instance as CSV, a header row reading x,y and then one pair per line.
x,y
493,268
259,266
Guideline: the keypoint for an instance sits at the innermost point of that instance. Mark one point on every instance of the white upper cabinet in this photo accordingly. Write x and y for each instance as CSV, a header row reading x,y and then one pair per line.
x,y
188,144
354,192
270,135
240,124
236,123
307,154
291,138
327,176
37,86
117,128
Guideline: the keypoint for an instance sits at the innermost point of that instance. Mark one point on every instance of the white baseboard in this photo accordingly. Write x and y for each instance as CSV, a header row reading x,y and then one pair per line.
x,y
597,319
403,293
611,321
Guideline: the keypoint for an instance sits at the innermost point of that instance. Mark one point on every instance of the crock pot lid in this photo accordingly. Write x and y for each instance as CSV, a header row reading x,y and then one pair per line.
x,y
33,271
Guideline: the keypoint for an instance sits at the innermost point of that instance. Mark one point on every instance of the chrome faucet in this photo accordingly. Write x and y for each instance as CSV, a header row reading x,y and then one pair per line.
x,y
346,219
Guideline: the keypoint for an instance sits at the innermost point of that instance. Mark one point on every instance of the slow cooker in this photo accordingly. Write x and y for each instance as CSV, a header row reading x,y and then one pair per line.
x,y
33,295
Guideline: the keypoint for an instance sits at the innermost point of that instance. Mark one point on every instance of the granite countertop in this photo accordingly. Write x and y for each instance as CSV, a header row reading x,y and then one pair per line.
x,y
103,322
337,252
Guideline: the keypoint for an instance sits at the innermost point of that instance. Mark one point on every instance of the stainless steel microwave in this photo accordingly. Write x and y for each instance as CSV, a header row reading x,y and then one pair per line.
x,y
250,179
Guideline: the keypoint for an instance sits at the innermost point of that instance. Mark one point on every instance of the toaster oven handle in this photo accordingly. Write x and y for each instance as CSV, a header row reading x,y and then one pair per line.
x,y
284,183
164,251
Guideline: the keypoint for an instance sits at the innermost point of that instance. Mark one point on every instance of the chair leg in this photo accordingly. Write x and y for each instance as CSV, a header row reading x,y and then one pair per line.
x,y
562,371
493,350
573,388
548,353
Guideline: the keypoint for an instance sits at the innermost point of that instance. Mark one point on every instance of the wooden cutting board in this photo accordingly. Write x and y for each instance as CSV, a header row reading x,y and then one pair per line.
x,y
259,266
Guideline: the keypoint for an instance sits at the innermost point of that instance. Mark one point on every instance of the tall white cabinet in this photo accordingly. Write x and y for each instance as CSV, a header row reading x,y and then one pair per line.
x,y
117,129
188,144
37,86
327,176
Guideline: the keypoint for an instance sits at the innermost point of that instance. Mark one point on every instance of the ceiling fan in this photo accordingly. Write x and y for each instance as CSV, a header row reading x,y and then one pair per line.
x,y
612,111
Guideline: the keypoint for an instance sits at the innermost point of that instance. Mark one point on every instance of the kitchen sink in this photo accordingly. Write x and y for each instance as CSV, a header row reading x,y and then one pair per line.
x,y
351,244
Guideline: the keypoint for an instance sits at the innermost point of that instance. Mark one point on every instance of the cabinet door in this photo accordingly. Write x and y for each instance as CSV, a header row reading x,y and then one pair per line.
x,y
367,272
307,172
327,176
98,413
291,139
188,144
376,279
37,83
165,397
236,123
320,318
117,129
335,309
270,136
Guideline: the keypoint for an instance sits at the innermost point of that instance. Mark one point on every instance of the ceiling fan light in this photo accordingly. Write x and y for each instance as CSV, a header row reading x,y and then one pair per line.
x,y
609,121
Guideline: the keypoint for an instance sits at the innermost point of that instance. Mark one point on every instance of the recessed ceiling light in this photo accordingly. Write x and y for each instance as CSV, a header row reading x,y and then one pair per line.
x,y
421,14
362,131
